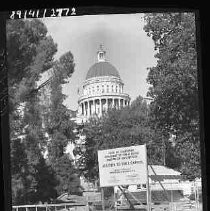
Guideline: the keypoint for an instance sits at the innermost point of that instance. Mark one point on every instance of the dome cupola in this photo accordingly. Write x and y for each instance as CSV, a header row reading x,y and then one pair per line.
x,y
101,54
102,67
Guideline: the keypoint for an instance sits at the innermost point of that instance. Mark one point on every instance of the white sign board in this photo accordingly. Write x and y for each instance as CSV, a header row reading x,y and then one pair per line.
x,y
123,166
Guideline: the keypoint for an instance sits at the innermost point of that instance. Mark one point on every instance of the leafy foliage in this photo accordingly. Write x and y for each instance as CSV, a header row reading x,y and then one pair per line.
x,y
46,182
63,167
30,53
174,82
119,128
58,125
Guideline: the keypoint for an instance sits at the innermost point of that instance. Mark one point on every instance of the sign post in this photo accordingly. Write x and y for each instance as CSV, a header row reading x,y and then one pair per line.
x,y
102,198
148,188
115,200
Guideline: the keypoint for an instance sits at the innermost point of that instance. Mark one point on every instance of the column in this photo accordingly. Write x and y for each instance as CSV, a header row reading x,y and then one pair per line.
x,y
87,108
101,106
100,112
124,102
112,102
90,109
107,104
118,103
82,110
88,102
94,106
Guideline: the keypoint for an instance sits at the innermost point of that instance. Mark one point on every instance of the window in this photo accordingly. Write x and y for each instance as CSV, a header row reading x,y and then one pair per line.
x,y
112,88
116,88
101,55
138,186
107,88
102,88
97,88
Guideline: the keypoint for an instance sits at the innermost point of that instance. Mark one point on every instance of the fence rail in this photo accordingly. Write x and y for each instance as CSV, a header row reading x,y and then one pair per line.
x,y
51,207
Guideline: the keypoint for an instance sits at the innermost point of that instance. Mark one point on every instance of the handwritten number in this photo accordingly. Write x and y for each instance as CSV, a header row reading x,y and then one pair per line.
x,y
59,12
18,13
25,14
67,11
73,11
37,13
53,15
12,15
44,13
32,13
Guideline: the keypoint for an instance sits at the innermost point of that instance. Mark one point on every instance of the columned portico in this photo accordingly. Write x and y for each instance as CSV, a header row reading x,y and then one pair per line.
x,y
99,105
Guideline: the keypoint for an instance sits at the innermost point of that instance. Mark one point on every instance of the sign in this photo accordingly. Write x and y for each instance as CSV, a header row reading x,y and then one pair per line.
x,y
123,166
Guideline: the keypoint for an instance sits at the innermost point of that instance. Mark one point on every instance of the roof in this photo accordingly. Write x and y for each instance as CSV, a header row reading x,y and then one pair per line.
x,y
102,69
163,172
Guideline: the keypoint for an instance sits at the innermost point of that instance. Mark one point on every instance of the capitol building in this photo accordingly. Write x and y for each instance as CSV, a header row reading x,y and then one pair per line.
x,y
102,89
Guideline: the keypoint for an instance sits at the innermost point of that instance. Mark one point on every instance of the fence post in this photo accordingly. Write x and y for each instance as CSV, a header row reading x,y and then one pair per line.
x,y
172,200
197,196
196,200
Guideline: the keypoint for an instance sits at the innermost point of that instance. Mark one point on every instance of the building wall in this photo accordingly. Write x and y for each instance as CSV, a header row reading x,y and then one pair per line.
x,y
99,94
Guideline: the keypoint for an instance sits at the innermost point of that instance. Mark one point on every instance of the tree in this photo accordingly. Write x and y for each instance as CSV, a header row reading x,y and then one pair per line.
x,y
175,84
47,182
63,167
119,128
58,123
30,53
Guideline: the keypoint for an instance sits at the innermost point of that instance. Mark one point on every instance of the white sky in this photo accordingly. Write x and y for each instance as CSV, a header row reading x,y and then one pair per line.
x,y
127,47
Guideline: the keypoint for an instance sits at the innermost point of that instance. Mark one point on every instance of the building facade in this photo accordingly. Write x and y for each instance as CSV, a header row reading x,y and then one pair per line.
x,y
101,90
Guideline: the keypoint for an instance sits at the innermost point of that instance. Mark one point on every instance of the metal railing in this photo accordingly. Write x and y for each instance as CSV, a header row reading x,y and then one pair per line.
x,y
49,207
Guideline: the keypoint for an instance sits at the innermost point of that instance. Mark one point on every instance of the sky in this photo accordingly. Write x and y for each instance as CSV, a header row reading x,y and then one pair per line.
x,y
127,47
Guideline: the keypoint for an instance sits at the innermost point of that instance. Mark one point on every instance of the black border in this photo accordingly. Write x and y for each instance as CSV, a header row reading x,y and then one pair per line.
x,y
116,7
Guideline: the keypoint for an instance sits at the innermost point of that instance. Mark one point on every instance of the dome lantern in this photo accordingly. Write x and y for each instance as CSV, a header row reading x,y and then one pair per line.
x,y
101,54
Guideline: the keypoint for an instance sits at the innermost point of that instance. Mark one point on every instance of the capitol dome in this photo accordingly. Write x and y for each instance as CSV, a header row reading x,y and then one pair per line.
x,y
101,90
102,69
